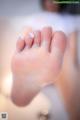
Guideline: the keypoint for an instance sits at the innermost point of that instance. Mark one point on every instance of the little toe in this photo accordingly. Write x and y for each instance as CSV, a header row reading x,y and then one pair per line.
x,y
29,40
58,46
37,39
20,44
46,36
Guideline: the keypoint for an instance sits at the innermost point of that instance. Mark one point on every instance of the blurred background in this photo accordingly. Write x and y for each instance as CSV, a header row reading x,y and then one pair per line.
x,y
15,16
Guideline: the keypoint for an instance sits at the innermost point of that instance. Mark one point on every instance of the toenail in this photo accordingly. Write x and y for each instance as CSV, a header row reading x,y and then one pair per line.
x,y
20,37
31,35
35,45
44,43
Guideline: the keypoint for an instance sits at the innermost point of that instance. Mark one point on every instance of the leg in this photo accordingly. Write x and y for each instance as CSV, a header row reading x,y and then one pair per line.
x,y
68,81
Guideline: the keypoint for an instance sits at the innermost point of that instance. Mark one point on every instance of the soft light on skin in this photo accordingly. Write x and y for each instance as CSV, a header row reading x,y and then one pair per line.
x,y
7,85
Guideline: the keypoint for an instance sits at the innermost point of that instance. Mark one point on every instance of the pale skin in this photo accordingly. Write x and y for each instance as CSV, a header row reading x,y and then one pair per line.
x,y
68,82
37,62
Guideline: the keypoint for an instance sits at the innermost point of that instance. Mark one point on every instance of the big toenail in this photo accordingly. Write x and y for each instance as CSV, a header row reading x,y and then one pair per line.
x,y
45,43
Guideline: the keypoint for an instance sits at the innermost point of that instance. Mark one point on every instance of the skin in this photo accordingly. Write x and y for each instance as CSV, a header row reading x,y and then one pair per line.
x,y
37,62
68,81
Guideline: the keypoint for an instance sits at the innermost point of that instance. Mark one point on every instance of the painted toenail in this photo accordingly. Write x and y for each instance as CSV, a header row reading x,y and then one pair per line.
x,y
45,43
35,45
31,35
20,37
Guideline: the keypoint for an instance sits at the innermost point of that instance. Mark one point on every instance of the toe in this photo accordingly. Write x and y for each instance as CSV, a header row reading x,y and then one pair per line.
x,y
20,44
59,41
46,36
29,40
58,46
37,39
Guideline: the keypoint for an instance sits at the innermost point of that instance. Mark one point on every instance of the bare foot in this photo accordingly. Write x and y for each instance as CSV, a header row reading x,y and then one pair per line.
x,y
37,62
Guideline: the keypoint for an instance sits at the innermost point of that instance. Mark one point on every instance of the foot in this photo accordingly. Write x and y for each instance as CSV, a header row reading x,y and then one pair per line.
x,y
37,62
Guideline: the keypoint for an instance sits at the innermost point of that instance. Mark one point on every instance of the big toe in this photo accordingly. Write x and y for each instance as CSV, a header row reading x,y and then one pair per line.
x,y
58,46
